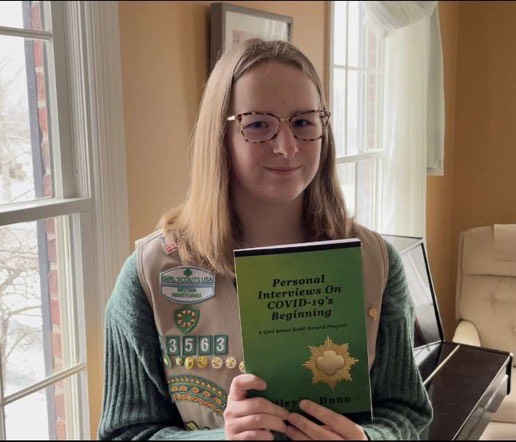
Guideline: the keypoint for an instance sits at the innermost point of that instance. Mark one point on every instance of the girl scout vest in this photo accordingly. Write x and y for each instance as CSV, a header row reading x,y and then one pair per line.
x,y
197,319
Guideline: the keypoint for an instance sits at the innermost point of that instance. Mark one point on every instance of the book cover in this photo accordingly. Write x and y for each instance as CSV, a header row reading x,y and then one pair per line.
x,y
303,324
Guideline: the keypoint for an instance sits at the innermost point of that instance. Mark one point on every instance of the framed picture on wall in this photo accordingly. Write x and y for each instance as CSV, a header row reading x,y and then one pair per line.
x,y
230,24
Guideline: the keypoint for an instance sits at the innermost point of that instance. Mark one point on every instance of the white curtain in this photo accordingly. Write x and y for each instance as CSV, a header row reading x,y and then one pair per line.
x,y
413,134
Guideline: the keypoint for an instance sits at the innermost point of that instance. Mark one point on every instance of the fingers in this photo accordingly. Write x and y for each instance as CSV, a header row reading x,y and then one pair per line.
x,y
256,422
253,435
253,418
256,405
242,383
306,429
334,424
294,434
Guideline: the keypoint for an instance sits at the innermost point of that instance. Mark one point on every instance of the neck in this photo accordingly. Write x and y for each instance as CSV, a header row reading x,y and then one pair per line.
x,y
265,225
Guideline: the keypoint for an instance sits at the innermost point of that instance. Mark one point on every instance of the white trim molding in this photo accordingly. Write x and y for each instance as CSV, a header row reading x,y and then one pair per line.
x,y
108,139
100,163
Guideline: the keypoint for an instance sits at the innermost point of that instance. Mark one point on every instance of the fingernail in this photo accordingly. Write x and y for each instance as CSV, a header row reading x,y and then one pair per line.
x,y
304,404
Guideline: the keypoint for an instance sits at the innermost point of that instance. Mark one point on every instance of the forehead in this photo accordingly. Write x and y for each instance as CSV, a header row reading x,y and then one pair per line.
x,y
274,87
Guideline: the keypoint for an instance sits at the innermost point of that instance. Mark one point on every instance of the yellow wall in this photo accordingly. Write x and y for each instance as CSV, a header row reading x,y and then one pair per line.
x,y
484,167
479,43
165,56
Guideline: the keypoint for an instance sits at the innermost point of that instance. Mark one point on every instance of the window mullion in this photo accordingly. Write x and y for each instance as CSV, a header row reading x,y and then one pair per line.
x,y
25,33
35,210
60,135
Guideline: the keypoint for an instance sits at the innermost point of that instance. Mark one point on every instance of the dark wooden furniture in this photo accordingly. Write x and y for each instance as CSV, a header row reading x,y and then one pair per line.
x,y
466,384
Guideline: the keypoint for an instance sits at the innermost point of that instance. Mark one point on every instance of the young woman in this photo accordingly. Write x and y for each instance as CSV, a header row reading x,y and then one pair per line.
x,y
263,174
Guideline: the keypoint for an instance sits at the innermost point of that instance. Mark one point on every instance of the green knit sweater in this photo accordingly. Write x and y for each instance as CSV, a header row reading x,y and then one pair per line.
x,y
137,405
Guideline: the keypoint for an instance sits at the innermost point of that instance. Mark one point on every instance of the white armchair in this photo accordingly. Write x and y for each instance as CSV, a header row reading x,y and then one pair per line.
x,y
486,305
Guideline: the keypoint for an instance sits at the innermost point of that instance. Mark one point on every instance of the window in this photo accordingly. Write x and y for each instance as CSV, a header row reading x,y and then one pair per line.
x,y
356,96
53,142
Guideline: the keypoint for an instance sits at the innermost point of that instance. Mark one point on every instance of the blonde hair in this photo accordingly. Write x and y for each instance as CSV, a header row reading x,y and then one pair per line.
x,y
205,228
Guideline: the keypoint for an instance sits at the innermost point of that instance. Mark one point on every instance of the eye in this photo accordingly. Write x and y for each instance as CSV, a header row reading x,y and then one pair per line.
x,y
256,125
302,122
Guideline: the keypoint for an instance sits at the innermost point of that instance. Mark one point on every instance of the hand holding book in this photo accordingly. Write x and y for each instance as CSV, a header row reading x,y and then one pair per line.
x,y
335,426
252,418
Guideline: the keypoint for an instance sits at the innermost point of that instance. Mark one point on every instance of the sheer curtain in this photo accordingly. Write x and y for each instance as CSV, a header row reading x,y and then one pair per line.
x,y
413,131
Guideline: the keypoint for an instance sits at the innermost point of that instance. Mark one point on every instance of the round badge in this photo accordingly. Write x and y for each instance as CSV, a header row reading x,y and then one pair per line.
x,y
231,362
179,361
241,367
216,362
202,361
167,361
189,362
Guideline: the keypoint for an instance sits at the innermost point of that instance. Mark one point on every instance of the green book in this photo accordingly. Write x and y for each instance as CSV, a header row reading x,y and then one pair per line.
x,y
303,324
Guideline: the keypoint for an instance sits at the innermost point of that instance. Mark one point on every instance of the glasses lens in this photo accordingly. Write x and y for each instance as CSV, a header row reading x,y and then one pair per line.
x,y
258,127
308,125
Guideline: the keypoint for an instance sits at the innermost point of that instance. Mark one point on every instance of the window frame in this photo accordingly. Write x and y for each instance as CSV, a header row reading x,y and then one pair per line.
x,y
89,131
355,158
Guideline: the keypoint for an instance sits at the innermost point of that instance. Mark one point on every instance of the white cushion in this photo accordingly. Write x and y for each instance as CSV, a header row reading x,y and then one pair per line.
x,y
486,286
479,257
466,333
499,431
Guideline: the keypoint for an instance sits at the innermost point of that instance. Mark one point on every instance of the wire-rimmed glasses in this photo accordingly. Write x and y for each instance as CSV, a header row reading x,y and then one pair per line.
x,y
260,127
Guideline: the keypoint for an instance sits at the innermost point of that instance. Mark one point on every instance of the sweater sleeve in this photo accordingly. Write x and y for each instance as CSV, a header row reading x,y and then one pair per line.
x,y
401,407
136,403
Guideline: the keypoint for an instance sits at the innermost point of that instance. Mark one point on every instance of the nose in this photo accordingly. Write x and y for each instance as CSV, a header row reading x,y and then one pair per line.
x,y
285,143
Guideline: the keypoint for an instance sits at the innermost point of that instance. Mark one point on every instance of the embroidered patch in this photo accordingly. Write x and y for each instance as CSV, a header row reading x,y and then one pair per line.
x,y
193,345
166,246
187,285
193,426
186,318
221,345
189,345
205,345
173,345
197,389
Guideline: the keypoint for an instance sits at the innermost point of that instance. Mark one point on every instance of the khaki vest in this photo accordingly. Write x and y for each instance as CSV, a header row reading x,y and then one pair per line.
x,y
200,333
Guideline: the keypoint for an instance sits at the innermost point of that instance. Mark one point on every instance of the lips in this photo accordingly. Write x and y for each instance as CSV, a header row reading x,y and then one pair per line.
x,y
282,170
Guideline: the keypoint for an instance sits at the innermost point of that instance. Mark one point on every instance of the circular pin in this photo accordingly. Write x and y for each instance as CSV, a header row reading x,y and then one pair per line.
x,y
241,367
189,362
216,362
167,361
231,362
202,361
179,361
373,312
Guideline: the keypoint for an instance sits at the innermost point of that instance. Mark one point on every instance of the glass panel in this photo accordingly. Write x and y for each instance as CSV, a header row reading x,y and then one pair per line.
x,y
24,15
25,156
48,414
374,50
355,112
338,119
35,334
372,105
366,185
346,173
356,36
340,24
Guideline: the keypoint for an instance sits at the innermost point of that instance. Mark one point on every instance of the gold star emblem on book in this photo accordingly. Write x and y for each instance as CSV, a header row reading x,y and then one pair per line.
x,y
330,363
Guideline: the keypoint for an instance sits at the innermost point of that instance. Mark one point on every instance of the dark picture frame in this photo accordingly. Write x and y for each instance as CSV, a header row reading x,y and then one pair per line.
x,y
230,23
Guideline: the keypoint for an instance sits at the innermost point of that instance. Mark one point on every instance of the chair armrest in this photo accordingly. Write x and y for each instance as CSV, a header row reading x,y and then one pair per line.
x,y
466,333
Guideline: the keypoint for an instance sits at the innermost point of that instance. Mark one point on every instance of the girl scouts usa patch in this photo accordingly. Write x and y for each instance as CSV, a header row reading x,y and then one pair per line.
x,y
187,284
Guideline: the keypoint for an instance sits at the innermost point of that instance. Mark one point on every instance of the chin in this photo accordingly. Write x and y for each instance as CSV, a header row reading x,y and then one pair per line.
x,y
282,199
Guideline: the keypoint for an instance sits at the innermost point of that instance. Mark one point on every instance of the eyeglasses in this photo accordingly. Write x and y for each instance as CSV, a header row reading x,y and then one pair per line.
x,y
260,127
